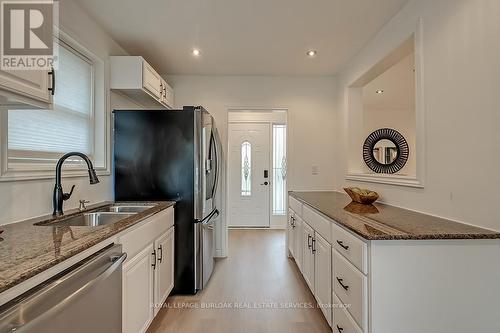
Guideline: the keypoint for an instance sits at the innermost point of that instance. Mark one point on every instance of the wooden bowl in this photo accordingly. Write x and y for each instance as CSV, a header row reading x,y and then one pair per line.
x,y
357,196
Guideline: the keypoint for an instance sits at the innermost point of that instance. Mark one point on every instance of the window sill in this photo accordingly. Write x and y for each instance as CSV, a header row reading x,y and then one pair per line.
x,y
407,181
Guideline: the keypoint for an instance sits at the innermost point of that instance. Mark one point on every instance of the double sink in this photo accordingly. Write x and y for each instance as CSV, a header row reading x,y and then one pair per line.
x,y
99,216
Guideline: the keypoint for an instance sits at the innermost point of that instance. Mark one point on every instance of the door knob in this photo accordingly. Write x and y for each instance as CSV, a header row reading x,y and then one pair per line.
x,y
265,183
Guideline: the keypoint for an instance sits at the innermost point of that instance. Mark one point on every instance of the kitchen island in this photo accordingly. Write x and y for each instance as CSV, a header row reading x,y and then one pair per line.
x,y
383,269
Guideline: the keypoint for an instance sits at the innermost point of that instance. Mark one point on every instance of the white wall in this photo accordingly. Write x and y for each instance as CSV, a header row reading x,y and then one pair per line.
x,y
461,64
24,199
309,101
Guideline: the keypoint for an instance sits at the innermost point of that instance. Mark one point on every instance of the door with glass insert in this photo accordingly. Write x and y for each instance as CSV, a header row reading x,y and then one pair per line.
x,y
249,175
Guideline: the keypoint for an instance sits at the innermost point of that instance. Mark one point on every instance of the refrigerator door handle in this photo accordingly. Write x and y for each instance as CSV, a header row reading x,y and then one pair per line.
x,y
213,213
198,177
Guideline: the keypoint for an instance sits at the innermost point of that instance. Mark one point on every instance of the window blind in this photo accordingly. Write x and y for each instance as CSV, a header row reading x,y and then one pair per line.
x,y
69,127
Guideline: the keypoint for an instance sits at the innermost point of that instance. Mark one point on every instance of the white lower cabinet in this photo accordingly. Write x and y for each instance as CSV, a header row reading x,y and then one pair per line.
x,y
307,255
343,322
316,264
291,232
294,237
164,278
398,286
327,273
138,282
322,275
148,272
298,241
351,287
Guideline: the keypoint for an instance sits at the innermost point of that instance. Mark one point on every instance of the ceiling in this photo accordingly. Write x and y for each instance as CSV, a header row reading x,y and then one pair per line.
x,y
398,84
243,37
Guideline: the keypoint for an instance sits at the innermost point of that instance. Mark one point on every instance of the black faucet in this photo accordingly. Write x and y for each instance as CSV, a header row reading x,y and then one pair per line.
x,y
59,196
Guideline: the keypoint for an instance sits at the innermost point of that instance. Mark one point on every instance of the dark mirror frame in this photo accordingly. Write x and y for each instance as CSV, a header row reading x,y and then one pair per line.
x,y
403,151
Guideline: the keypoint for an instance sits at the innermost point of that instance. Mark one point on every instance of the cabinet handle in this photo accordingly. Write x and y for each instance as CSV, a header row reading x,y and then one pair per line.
x,y
340,329
339,280
160,257
313,245
52,88
292,219
161,89
154,259
309,238
345,247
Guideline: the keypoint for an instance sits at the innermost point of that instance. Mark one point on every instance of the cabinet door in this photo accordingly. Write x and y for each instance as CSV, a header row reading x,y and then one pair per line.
x,y
32,84
163,94
297,235
323,275
164,273
152,81
138,284
308,256
168,96
291,233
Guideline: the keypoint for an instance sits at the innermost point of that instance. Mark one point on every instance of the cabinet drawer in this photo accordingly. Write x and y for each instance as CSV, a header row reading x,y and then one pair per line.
x,y
351,247
135,240
320,224
295,205
342,321
351,287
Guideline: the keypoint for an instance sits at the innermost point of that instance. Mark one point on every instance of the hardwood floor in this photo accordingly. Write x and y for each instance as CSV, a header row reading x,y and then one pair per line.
x,y
257,273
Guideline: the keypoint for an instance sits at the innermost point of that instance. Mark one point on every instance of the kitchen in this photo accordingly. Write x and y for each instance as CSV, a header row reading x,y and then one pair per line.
x,y
305,69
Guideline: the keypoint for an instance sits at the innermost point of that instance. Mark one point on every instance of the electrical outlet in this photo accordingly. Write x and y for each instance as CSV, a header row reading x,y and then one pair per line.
x,y
315,170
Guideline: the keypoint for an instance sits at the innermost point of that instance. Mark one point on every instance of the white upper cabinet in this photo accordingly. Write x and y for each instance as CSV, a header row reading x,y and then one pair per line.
x,y
151,81
134,77
28,87
168,95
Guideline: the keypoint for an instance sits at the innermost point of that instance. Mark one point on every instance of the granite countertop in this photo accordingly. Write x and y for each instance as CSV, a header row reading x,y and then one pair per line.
x,y
27,249
384,222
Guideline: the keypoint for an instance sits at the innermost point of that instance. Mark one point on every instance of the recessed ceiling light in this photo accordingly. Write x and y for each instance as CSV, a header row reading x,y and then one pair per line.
x,y
380,91
196,52
311,53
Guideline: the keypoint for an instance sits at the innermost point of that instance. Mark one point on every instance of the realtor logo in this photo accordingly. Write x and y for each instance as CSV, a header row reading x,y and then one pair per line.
x,y
27,36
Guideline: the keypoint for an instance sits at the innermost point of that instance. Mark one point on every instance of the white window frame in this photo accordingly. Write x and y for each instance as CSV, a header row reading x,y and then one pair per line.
x,y
273,169
33,167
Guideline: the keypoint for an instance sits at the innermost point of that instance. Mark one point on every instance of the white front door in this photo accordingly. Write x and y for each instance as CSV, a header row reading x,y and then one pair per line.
x,y
249,164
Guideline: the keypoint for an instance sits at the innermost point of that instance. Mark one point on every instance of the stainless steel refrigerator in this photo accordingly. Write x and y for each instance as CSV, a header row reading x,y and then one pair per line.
x,y
174,155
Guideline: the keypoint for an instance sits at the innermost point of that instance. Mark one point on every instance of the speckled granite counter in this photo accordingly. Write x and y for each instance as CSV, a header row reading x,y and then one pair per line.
x,y
27,249
384,222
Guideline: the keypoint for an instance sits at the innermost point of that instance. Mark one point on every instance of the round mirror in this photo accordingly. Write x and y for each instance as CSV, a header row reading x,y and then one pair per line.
x,y
385,151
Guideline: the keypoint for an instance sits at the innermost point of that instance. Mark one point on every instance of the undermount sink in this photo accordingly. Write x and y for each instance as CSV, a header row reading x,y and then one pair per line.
x,y
90,219
125,208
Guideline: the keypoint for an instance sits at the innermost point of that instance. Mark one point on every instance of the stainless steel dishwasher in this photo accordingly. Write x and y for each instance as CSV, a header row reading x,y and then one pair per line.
x,y
85,298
